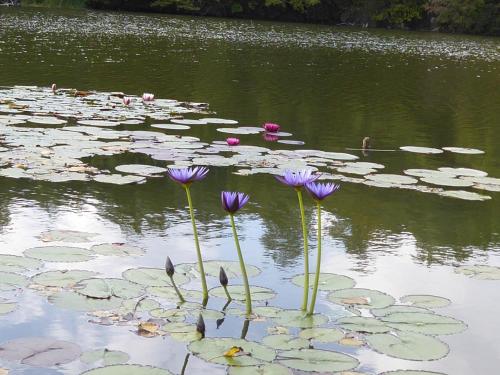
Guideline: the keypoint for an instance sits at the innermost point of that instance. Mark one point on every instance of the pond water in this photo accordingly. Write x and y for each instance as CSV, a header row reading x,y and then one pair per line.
x,y
329,87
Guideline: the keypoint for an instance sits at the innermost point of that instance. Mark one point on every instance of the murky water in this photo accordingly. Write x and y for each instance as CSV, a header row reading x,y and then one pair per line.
x,y
329,87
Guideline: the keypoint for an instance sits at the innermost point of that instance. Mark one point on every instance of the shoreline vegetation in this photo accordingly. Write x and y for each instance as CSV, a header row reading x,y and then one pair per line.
x,y
453,16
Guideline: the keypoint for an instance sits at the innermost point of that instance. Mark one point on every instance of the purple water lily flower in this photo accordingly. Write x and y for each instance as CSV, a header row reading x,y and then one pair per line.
x,y
186,176
232,201
320,191
297,179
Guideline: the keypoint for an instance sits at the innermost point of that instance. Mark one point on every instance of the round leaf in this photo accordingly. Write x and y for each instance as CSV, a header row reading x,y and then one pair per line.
x,y
60,254
327,281
361,298
317,360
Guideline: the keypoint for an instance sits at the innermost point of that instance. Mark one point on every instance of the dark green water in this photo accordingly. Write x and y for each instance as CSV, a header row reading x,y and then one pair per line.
x,y
330,88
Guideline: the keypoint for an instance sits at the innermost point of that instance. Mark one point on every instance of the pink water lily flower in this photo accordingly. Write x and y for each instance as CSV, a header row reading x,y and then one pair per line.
x,y
127,100
233,141
54,88
147,97
270,127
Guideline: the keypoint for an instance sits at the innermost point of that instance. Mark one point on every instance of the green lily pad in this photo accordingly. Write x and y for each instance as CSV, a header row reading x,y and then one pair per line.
x,y
118,249
172,315
391,179
213,349
317,360
446,181
7,307
39,351
327,281
12,279
267,369
408,345
464,150
465,195
463,172
322,334
363,324
62,278
184,332
140,169
169,293
170,126
480,272
212,268
60,254
398,309
74,301
425,301
421,150
107,288
212,120
105,356
259,312
14,263
411,372
297,318
153,277
67,236
118,179
361,298
237,292
285,342
430,324
127,370
141,305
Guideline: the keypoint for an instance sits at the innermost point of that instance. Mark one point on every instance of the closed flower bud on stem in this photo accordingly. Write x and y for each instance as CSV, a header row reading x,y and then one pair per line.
x,y
169,267
200,326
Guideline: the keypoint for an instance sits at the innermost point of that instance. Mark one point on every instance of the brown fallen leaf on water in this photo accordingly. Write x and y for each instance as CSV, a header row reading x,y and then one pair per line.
x,y
17,106
148,329
82,93
355,301
351,340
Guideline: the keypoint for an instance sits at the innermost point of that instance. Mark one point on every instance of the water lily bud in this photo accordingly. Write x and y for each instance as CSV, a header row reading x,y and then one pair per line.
x,y
169,267
223,277
200,325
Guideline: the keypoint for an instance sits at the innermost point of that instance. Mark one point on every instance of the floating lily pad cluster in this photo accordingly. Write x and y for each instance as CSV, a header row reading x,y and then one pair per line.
x,y
46,136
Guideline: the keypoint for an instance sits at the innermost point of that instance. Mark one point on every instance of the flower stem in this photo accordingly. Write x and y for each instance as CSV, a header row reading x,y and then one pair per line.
x,y
306,250
197,243
248,298
318,263
181,297
229,298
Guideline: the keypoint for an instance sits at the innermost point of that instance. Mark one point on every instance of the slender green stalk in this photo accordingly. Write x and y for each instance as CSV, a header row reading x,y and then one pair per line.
x,y
197,243
318,263
229,298
181,297
248,298
306,250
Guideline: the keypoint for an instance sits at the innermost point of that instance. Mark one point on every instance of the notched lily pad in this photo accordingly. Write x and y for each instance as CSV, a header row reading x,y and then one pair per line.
x,y
105,357
422,150
9,280
78,302
361,298
317,360
425,301
408,345
237,292
140,169
67,236
363,324
430,324
62,278
322,334
212,268
285,342
14,263
153,277
127,370
267,369
118,179
481,272
107,288
184,332
297,318
39,351
117,249
327,281
398,309
464,150
395,179
213,350
60,254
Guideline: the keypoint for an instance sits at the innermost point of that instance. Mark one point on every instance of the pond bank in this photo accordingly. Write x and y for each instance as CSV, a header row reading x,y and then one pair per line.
x,y
448,16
